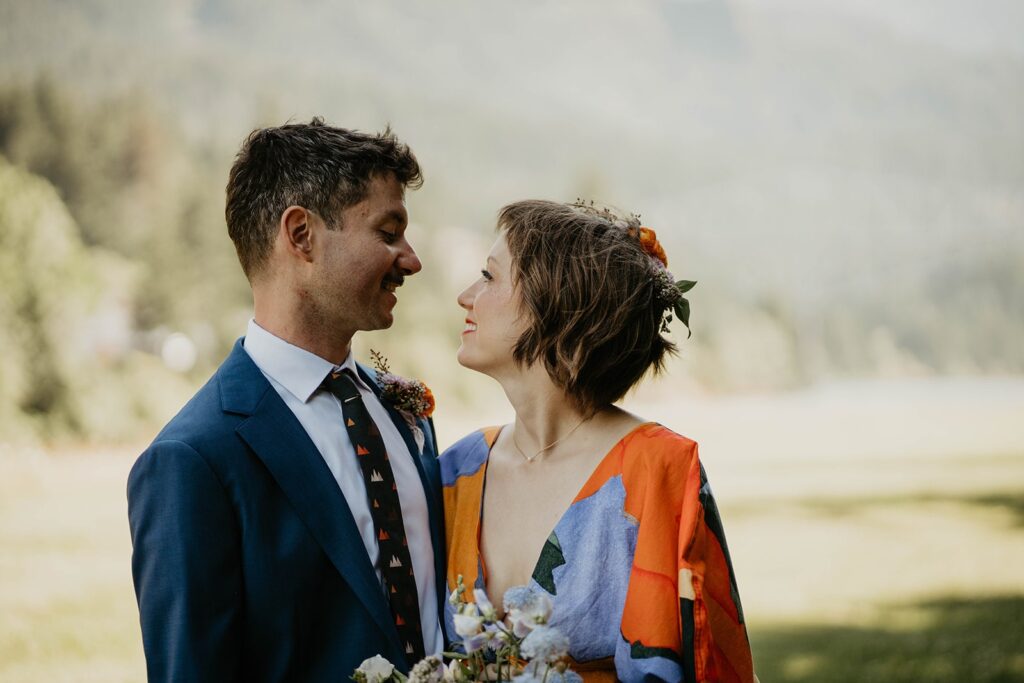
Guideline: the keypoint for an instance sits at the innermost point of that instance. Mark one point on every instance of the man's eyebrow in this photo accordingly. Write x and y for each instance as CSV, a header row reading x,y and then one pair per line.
x,y
393,216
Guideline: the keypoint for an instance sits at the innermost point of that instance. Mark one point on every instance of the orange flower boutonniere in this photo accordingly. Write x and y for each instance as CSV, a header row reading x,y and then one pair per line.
x,y
406,395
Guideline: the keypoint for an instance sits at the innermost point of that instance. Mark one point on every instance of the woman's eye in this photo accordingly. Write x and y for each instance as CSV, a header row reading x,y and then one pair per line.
x,y
487,275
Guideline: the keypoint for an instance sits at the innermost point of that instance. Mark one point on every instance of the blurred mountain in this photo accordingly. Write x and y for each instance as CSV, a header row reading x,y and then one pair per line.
x,y
843,179
808,132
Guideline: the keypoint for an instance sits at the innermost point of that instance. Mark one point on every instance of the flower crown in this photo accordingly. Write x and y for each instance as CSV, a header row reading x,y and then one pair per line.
x,y
668,291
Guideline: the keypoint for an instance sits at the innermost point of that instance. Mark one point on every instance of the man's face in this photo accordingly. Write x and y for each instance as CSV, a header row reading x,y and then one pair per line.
x,y
364,262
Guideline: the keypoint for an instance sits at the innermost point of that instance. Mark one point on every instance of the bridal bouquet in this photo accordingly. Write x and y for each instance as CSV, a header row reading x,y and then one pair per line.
x,y
521,648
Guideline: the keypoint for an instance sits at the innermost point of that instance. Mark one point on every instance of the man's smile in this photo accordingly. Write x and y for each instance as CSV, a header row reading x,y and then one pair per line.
x,y
390,284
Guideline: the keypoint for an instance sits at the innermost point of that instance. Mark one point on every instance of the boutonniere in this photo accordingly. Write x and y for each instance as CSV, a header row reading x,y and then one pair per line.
x,y
410,397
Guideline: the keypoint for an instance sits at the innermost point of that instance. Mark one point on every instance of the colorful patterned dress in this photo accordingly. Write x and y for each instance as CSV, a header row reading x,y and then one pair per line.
x,y
637,568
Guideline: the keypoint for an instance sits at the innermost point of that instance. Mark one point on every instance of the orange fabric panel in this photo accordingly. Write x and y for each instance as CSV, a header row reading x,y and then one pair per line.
x,y
462,522
717,578
462,503
656,488
645,617
732,651
491,435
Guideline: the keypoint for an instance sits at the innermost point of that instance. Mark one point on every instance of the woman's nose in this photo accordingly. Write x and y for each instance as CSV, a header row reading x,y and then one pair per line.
x,y
465,299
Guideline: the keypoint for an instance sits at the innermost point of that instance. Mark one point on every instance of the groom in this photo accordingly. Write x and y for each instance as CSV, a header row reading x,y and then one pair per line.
x,y
286,524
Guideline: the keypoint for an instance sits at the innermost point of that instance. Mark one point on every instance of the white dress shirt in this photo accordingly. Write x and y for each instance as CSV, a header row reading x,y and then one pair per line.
x,y
296,375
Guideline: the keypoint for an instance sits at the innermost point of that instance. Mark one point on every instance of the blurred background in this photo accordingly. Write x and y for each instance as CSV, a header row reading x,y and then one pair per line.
x,y
843,179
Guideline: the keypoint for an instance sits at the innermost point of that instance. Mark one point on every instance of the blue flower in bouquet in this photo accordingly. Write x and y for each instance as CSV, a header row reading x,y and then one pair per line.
x,y
548,676
517,597
564,677
527,677
545,644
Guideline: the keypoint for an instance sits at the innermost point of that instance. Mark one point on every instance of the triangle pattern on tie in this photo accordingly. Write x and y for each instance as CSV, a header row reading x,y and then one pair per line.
x,y
395,563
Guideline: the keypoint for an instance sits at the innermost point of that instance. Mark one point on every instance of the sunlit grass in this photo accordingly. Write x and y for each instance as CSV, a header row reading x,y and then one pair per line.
x,y
976,640
67,610
839,582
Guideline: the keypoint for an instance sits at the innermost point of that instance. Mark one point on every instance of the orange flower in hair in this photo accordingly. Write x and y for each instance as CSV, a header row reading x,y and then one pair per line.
x,y
651,245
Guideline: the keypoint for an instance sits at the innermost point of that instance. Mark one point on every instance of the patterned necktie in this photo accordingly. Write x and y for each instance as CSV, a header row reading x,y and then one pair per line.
x,y
395,563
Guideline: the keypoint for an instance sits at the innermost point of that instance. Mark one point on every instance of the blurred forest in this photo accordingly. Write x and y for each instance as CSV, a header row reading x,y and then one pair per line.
x,y
843,179
110,238
843,183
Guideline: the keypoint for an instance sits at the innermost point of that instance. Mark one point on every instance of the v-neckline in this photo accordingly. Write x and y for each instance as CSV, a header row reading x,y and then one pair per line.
x,y
586,484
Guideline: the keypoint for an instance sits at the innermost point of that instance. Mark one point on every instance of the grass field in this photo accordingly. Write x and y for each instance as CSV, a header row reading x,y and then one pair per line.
x,y
858,560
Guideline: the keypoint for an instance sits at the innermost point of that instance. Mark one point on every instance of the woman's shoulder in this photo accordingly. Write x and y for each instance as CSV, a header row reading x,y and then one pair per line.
x,y
657,440
466,456
656,449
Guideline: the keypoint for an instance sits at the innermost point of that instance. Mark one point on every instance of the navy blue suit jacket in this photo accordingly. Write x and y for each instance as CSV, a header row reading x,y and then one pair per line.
x,y
247,562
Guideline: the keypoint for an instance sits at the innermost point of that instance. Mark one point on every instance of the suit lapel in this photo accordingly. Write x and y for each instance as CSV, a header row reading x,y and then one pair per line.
x,y
275,435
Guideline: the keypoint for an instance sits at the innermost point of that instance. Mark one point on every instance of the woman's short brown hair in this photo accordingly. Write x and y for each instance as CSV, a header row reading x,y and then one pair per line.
x,y
589,295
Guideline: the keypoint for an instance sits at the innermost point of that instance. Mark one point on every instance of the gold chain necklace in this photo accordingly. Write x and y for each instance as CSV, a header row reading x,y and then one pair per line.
x,y
530,458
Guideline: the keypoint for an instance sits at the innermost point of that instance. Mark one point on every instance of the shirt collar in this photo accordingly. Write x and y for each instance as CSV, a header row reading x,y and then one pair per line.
x,y
350,364
297,370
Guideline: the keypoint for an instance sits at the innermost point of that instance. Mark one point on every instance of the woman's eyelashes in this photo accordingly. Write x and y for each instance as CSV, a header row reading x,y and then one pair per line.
x,y
487,275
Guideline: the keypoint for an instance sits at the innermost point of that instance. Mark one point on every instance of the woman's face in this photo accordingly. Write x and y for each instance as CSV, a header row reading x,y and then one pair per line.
x,y
493,323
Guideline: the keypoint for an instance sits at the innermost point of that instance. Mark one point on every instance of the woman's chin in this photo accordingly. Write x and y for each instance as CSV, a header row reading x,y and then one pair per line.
x,y
463,357
466,359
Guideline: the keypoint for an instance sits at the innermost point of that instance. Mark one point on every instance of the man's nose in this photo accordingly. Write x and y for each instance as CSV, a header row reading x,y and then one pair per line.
x,y
409,262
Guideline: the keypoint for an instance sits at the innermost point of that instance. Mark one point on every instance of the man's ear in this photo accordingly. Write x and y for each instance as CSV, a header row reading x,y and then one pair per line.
x,y
296,231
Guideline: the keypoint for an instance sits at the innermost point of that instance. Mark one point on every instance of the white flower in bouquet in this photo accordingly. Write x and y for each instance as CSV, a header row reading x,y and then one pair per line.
x,y
469,625
520,648
454,672
483,603
526,609
468,621
428,670
376,669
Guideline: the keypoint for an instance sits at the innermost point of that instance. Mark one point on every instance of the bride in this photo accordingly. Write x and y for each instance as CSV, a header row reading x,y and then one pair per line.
x,y
609,514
